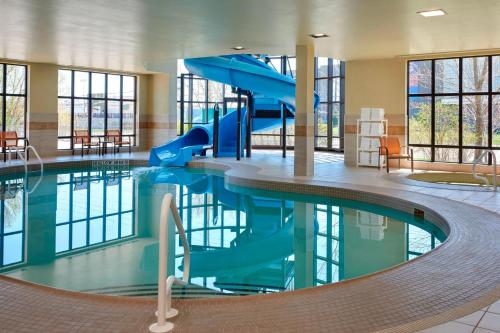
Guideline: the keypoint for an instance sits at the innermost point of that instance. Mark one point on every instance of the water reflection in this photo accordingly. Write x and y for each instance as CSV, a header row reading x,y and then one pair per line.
x,y
97,231
12,222
250,243
94,207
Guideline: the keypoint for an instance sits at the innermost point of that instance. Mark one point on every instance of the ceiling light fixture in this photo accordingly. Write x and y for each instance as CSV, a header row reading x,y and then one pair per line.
x,y
319,35
432,13
238,48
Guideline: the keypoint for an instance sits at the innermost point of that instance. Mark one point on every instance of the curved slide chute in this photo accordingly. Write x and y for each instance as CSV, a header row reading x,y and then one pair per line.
x,y
269,88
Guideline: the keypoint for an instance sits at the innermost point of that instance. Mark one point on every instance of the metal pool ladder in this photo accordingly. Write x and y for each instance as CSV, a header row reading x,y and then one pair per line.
x,y
22,156
165,284
494,165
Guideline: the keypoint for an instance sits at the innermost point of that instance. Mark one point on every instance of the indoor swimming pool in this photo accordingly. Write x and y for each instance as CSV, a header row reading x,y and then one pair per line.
x,y
95,229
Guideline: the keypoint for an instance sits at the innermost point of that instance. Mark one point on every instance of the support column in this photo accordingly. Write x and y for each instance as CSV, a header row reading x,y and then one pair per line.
x,y
283,130
238,127
157,105
304,112
248,136
215,139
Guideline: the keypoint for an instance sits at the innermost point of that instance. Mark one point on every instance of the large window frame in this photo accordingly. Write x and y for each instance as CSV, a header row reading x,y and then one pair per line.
x,y
4,95
90,99
460,95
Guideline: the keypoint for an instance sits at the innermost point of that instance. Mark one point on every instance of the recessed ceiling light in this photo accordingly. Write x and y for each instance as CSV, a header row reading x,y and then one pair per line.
x,y
238,48
432,13
319,35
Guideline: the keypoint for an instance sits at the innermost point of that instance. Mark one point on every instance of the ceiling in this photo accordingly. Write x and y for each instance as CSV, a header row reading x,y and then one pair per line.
x,y
135,35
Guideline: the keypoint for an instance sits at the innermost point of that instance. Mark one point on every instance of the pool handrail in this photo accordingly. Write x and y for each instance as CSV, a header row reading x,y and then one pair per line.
x,y
165,284
494,165
25,162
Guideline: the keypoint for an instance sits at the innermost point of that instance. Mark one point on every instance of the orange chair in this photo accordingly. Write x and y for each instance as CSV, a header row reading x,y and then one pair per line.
x,y
391,149
82,137
116,137
10,140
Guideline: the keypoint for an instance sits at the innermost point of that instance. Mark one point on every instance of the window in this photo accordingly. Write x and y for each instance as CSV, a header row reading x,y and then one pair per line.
x,y
94,208
12,223
329,116
201,95
96,102
13,98
453,108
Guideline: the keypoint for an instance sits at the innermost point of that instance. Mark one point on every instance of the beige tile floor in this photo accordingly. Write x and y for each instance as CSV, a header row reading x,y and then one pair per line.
x,y
330,167
486,321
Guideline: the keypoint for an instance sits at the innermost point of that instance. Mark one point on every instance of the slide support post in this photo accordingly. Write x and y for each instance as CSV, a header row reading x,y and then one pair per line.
x,y
283,129
248,137
182,105
238,127
215,139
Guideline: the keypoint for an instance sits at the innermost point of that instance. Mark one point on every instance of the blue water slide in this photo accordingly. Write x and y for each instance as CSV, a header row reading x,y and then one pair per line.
x,y
180,150
269,88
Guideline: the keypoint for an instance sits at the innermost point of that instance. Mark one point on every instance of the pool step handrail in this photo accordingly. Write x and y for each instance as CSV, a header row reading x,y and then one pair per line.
x,y
22,155
165,284
494,165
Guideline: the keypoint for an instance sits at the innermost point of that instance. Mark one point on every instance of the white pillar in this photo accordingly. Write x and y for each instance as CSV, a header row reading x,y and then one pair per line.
x,y
304,111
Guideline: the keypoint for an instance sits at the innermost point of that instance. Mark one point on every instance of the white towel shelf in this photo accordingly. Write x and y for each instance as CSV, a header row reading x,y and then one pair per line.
x,y
370,127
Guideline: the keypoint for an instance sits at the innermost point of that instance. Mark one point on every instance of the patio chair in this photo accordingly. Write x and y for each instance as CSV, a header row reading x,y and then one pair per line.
x,y
83,138
116,137
10,141
392,150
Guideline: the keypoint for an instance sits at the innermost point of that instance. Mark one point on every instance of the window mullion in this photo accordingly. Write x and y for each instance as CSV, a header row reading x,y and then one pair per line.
x,y
490,107
329,106
121,103
72,108
433,111
89,107
206,102
105,103
460,111
4,104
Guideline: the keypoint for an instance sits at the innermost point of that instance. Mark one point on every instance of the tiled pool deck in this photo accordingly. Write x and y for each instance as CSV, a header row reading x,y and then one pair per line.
x,y
459,277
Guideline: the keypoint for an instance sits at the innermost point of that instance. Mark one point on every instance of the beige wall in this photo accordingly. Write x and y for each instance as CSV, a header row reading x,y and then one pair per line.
x,y
156,110
377,83
42,108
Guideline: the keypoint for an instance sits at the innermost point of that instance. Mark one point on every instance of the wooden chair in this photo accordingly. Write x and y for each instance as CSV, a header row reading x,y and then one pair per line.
x,y
116,137
82,137
11,141
392,150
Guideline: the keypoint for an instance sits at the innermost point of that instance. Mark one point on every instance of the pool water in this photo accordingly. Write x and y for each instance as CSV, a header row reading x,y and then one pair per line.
x,y
96,230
